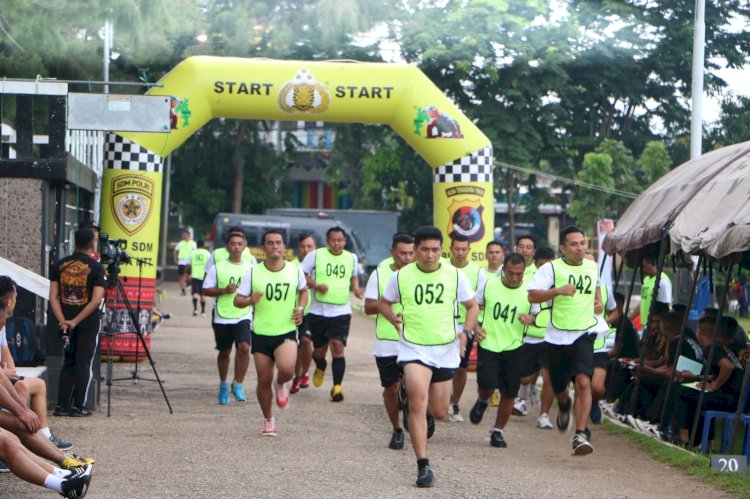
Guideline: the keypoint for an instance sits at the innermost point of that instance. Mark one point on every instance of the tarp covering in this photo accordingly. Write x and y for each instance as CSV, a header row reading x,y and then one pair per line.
x,y
704,203
25,278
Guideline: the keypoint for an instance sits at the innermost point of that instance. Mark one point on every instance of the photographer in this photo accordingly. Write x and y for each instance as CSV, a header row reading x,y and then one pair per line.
x,y
77,285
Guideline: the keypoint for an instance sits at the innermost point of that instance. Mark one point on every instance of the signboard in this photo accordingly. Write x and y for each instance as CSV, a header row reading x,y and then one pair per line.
x,y
132,113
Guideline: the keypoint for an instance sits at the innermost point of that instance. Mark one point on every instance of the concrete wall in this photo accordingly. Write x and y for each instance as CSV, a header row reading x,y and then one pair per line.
x,y
21,222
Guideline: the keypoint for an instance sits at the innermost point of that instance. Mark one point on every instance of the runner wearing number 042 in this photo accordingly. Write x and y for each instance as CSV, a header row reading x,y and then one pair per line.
x,y
430,350
277,291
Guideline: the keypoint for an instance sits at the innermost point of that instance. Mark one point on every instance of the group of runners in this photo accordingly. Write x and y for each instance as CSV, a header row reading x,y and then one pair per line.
x,y
526,313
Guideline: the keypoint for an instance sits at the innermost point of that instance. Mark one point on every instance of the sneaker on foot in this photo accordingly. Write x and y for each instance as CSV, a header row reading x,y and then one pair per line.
x,y
238,391
61,411
581,445
495,399
79,412
425,477
454,414
397,440
4,468
596,412
71,461
337,394
563,415
269,428
295,386
282,397
477,412
60,444
195,312
519,408
76,487
304,381
496,438
430,425
318,376
203,314
543,422
223,393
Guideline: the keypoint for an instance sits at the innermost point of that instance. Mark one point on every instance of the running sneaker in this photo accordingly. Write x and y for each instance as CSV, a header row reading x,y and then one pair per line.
x,y
337,394
195,313
318,376
4,468
75,487
238,391
425,477
79,412
534,398
519,408
282,397
60,444
454,414
80,471
496,438
223,393
477,412
543,422
61,411
563,415
269,428
596,412
71,461
581,445
495,399
609,409
397,440
304,381
430,425
295,385
203,314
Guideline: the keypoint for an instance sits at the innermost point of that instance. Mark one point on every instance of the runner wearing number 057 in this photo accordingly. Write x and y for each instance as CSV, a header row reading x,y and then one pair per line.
x,y
429,348
277,291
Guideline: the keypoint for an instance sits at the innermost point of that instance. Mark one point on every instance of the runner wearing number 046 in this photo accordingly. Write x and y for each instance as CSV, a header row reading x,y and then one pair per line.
x,y
572,283
430,350
277,291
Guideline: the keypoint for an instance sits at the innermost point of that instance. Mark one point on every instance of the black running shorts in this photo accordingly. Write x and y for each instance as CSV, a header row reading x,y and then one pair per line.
x,y
499,370
324,329
227,335
566,361
389,369
267,345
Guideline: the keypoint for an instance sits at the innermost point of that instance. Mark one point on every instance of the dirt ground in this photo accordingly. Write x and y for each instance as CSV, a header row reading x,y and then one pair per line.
x,y
324,449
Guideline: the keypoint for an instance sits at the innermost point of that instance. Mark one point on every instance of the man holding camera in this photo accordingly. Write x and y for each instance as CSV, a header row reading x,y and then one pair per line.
x,y
77,286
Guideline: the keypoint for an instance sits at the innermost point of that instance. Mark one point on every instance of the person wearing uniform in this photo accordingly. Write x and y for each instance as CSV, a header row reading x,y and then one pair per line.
x,y
459,259
604,329
499,356
331,272
222,252
534,350
526,246
277,291
181,255
231,324
197,261
385,348
494,254
571,282
305,245
430,349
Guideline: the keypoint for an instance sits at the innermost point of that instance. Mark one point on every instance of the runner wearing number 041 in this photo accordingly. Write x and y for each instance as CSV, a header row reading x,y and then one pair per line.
x,y
430,350
277,291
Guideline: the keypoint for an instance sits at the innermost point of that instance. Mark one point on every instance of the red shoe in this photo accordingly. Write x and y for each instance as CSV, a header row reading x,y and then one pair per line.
x,y
282,397
304,381
295,386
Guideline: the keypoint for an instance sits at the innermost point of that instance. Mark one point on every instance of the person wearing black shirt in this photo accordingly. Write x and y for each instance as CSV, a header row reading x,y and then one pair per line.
x,y
77,285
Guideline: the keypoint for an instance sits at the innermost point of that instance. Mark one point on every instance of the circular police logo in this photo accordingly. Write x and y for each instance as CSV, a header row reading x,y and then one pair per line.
x,y
467,221
132,209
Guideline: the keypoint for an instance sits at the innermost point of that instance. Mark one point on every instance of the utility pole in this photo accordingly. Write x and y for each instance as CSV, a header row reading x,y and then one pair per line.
x,y
696,116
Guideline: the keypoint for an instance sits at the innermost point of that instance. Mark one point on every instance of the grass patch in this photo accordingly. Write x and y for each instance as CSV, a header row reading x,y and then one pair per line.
x,y
697,465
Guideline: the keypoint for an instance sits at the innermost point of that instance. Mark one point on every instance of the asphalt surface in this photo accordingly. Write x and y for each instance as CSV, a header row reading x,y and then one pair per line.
x,y
323,449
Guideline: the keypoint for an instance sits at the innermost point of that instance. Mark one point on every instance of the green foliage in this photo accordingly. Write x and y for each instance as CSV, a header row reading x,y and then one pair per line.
x,y
734,123
654,161
598,170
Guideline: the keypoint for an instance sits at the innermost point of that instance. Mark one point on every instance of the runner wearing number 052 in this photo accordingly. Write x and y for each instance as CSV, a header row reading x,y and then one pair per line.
x,y
429,348
277,291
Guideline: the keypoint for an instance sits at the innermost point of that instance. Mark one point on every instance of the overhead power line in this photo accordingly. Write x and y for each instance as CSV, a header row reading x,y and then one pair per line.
x,y
566,180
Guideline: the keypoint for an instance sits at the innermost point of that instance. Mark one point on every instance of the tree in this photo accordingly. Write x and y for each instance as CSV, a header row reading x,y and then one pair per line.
x,y
654,161
733,126
588,208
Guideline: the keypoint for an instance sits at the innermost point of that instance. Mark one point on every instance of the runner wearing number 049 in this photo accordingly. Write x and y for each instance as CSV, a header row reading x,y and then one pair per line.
x,y
429,348
277,291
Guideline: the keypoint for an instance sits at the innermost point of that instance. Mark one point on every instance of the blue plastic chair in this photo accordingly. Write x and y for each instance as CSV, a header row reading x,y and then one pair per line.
x,y
728,419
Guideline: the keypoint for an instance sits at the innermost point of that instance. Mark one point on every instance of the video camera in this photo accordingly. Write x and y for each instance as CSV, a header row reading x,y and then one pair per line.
x,y
113,251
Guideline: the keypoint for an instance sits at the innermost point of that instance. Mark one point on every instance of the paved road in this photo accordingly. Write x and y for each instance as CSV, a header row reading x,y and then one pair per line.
x,y
323,449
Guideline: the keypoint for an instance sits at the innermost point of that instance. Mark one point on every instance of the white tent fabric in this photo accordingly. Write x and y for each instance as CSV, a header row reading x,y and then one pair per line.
x,y
25,278
704,203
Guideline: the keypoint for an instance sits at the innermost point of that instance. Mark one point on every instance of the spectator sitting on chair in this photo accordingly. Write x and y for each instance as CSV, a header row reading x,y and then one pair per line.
x,y
28,388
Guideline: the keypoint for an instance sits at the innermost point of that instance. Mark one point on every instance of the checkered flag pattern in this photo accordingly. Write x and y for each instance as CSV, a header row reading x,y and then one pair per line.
x,y
121,154
476,167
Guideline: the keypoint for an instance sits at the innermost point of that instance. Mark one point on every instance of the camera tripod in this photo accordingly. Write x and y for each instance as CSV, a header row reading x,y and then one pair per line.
x,y
110,330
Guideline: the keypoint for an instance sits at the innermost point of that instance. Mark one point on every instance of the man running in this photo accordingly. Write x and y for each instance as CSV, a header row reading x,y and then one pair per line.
x,y
459,258
526,246
331,272
182,251
494,254
571,282
277,291
231,324
305,245
430,350
386,336
499,355
197,261
222,252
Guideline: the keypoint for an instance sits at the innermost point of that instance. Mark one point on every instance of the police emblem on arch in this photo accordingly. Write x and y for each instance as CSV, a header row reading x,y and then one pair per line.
x,y
303,94
132,199
466,220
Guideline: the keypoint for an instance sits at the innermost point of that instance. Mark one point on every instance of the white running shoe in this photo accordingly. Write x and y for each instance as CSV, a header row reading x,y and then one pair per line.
x,y
519,408
543,422
454,415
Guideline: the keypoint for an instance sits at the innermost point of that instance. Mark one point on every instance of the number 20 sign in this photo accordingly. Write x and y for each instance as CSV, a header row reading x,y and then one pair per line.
x,y
729,463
